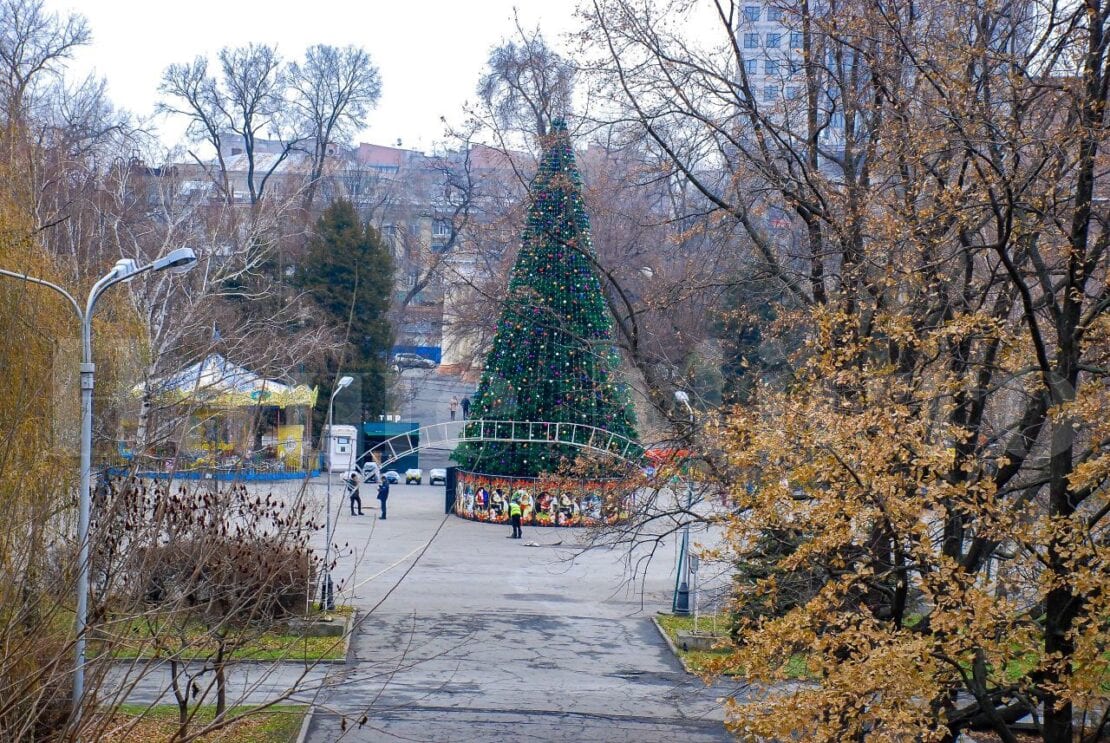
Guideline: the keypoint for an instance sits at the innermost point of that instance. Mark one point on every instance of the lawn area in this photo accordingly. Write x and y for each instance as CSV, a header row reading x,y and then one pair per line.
x,y
139,724
141,638
694,660
698,661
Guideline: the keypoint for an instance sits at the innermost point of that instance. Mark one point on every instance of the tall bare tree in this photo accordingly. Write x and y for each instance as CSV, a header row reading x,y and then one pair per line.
x,y
333,90
33,45
245,103
527,84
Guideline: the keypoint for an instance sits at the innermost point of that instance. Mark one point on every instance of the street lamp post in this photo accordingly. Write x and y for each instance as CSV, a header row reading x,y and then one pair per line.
x,y
681,602
327,597
177,261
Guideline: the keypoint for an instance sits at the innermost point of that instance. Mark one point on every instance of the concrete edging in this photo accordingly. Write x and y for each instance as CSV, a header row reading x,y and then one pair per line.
x,y
302,736
348,633
671,645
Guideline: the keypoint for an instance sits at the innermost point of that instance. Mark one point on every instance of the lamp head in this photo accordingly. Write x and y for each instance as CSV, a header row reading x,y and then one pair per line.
x,y
682,397
176,261
344,381
124,268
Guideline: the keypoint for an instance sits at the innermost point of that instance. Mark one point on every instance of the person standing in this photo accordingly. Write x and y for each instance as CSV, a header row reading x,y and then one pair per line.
x,y
453,406
514,516
466,407
353,483
383,494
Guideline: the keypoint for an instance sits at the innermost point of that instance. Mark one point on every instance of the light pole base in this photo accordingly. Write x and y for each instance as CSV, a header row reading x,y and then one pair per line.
x,y
682,600
327,596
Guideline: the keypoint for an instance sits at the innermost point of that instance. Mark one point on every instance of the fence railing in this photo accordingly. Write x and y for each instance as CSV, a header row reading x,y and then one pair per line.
x,y
257,466
452,433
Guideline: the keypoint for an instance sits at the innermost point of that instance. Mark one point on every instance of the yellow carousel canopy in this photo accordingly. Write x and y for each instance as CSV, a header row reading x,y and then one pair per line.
x,y
216,382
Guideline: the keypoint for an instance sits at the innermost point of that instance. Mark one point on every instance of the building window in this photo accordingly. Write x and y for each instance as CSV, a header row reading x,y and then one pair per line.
x,y
773,41
751,41
751,13
774,14
751,66
770,93
795,66
836,121
795,39
441,228
770,67
794,91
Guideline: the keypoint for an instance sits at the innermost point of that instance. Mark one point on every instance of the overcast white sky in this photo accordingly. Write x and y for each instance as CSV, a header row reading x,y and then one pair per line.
x,y
430,52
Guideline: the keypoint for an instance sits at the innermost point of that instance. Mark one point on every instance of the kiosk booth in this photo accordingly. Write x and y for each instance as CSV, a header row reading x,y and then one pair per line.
x,y
340,448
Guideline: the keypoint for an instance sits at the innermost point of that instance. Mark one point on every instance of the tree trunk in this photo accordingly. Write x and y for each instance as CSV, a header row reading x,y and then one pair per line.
x,y
1062,605
219,667
182,699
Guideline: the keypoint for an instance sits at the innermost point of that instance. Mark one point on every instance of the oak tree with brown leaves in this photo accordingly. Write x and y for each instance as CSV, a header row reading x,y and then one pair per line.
x,y
926,185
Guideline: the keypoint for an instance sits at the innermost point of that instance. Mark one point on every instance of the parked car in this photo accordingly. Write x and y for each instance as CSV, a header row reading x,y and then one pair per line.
x,y
407,360
438,476
392,475
414,475
368,472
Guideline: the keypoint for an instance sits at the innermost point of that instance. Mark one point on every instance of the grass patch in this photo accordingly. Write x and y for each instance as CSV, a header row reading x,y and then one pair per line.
x,y
266,646
1017,667
673,623
699,660
133,722
694,660
154,637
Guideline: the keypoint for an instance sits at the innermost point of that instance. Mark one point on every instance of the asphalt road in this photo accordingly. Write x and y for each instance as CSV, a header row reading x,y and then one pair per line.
x,y
466,635
425,397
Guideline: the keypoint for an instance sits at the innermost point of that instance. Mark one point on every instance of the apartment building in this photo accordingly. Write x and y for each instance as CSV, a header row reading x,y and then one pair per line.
x,y
771,41
770,36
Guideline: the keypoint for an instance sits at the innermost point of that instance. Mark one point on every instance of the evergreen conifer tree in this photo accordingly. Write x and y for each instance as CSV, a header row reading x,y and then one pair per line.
x,y
348,272
553,357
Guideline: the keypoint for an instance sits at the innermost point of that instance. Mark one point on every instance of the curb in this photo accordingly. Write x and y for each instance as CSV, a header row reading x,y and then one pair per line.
x,y
302,736
671,645
348,633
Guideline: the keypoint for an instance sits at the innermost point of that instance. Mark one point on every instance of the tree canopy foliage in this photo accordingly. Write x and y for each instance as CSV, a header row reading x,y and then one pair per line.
x,y
926,187
348,273
526,85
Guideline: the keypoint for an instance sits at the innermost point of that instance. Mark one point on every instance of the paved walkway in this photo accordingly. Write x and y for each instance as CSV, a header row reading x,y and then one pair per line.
x,y
487,638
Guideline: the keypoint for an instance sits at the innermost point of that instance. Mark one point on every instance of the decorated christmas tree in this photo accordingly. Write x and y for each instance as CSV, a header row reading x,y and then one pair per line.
x,y
553,357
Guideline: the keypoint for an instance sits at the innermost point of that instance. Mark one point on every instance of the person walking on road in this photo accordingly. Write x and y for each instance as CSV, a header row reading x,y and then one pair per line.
x,y
353,482
514,516
453,406
466,407
383,495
